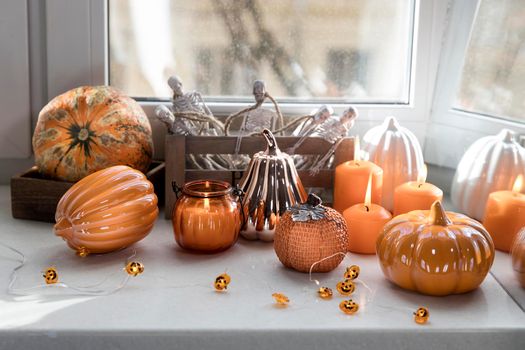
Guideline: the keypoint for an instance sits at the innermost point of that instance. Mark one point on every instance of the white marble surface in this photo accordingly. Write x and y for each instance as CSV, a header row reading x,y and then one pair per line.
x,y
173,305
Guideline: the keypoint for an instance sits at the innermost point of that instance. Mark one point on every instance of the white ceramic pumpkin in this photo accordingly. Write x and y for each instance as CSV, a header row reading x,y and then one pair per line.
x,y
397,151
490,164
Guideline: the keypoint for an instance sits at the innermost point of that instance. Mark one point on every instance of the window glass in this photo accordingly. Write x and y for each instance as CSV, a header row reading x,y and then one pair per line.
x,y
313,50
492,81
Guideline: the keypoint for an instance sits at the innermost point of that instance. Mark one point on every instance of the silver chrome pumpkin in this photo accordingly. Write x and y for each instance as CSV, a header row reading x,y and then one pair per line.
x,y
271,185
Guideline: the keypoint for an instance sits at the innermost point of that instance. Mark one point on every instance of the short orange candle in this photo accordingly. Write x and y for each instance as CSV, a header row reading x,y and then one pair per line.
x,y
505,215
365,222
416,195
351,180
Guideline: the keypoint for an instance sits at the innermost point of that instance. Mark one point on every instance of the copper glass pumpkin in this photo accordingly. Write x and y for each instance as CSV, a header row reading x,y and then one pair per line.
x,y
308,233
106,211
518,256
435,253
271,185
206,217
491,164
397,151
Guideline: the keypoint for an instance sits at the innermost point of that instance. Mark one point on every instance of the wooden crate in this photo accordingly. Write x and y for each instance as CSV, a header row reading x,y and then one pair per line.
x,y
177,147
35,198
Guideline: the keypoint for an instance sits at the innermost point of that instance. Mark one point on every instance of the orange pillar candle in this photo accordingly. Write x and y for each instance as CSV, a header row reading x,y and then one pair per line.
x,y
365,221
505,215
351,180
416,195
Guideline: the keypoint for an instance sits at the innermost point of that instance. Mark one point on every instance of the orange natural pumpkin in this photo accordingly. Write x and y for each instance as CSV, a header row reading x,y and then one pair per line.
x,y
518,256
88,129
106,211
435,252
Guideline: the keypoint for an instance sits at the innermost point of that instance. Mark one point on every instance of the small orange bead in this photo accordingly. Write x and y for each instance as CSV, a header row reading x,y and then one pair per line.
x,y
421,315
345,287
325,292
134,268
352,272
51,275
221,282
280,298
349,307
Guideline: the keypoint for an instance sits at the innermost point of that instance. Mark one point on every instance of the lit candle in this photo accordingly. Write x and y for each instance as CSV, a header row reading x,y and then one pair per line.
x,y
416,195
351,180
505,215
365,221
206,217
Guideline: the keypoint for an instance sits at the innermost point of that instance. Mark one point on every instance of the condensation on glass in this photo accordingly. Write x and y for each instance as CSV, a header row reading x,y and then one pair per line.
x,y
304,49
494,67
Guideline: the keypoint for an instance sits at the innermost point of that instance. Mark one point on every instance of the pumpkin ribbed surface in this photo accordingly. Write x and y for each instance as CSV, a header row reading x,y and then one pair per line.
x,y
435,253
88,129
298,245
490,164
397,151
518,256
108,210
271,185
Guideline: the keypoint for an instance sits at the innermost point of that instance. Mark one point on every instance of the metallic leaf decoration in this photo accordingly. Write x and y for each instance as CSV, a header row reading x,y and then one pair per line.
x,y
311,210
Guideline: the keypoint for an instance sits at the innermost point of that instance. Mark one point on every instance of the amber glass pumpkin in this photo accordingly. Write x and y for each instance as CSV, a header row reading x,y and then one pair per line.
x,y
435,252
518,256
106,211
88,129
308,233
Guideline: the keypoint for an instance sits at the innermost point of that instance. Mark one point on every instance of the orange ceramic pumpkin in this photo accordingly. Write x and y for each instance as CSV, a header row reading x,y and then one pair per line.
x,y
435,253
106,211
88,129
518,256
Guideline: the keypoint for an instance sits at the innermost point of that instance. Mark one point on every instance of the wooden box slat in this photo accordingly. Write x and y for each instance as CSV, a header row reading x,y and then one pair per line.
x,y
35,198
324,179
177,147
250,145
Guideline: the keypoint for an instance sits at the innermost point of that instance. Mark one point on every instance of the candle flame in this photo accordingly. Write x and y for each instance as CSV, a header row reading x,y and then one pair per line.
x,y
422,175
518,184
206,203
207,184
357,149
368,195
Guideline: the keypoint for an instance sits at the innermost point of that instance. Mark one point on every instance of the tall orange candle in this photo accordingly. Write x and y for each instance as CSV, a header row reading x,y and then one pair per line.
x,y
505,215
416,195
351,180
365,221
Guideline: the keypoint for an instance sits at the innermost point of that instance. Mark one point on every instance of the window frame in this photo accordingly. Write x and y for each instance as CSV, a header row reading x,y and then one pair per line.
x,y
461,128
77,55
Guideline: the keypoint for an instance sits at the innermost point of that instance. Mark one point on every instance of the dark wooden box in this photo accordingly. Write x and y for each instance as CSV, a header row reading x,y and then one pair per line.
x,y
177,147
35,198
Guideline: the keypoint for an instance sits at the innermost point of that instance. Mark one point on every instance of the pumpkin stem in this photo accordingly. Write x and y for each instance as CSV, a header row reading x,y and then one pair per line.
x,y
391,123
313,200
438,216
506,135
270,139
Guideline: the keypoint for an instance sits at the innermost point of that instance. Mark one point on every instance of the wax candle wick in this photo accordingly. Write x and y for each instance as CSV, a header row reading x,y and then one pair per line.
x,y
419,185
367,208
